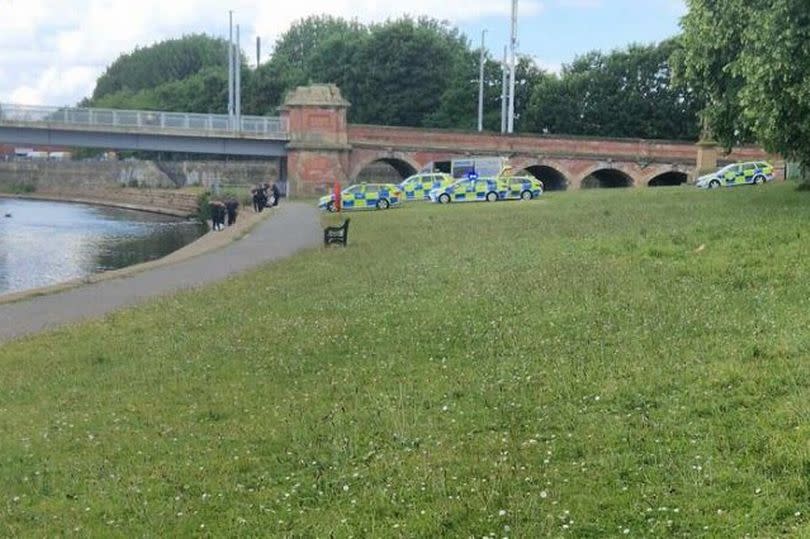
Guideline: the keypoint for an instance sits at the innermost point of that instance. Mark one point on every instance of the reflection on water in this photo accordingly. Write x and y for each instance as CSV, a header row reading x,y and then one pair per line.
x,y
45,243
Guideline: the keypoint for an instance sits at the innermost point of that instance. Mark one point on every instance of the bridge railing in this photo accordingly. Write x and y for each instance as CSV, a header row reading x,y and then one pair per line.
x,y
145,120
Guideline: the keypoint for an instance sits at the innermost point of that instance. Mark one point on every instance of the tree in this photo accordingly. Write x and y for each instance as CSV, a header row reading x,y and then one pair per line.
x,y
751,62
168,61
407,65
626,93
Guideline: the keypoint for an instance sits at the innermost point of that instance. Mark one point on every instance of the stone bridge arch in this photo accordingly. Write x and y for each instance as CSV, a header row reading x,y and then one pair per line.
x,y
554,175
401,162
610,175
668,175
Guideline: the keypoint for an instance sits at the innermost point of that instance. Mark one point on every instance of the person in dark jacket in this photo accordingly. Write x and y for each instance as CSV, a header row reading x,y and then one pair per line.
x,y
217,214
231,206
276,194
256,198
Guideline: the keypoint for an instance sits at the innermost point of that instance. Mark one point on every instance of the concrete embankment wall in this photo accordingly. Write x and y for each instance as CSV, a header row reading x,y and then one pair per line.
x,y
148,185
163,174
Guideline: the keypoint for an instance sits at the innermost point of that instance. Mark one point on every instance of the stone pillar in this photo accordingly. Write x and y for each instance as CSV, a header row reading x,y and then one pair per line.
x,y
707,154
318,151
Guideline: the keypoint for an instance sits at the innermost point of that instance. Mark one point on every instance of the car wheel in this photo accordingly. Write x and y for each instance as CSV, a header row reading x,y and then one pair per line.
x,y
331,208
382,204
526,195
758,180
714,184
492,196
444,198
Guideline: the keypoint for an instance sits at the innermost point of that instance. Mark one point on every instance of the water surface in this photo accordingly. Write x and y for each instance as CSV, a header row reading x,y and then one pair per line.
x,y
45,243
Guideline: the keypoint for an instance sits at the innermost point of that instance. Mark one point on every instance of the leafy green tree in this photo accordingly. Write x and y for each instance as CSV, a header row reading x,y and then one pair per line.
x,y
751,62
625,93
407,66
168,61
314,49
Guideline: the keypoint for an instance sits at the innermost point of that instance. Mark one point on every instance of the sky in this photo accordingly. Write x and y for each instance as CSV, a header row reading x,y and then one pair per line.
x,y
52,51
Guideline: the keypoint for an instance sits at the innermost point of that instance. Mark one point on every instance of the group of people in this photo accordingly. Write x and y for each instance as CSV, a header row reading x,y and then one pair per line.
x,y
220,209
265,195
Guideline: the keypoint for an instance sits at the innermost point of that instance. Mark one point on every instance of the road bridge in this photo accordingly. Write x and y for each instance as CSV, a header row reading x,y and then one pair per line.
x,y
259,136
317,146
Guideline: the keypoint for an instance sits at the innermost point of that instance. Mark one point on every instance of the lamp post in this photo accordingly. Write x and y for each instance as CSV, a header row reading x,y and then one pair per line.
x,y
504,91
230,67
481,85
513,46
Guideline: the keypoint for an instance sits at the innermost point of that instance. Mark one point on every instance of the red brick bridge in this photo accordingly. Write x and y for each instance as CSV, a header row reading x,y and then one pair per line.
x,y
324,148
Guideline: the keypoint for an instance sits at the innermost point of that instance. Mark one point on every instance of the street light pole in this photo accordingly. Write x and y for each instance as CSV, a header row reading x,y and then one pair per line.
x,y
513,46
481,85
230,67
504,90
237,57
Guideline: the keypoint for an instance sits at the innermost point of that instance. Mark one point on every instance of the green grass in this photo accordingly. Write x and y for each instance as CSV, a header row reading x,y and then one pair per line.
x,y
596,362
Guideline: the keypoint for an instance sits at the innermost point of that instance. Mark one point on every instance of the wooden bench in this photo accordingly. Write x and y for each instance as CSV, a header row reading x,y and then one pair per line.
x,y
336,234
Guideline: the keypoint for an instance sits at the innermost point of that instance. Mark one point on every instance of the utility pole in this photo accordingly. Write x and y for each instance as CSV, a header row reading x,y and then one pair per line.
x,y
258,51
513,46
230,69
504,90
481,86
238,77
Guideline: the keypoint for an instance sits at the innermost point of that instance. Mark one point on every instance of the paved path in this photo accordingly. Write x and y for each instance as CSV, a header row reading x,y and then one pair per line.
x,y
296,226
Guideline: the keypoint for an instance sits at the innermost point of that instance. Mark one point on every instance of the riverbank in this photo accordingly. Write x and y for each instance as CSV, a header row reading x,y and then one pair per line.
x,y
208,242
167,203
263,237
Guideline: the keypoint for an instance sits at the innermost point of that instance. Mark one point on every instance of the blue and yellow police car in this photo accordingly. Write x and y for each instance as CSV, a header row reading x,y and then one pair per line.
x,y
419,186
364,196
468,190
753,173
522,188
488,190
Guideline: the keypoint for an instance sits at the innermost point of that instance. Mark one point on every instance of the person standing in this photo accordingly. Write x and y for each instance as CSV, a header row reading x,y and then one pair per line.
x,y
232,206
276,194
218,217
256,198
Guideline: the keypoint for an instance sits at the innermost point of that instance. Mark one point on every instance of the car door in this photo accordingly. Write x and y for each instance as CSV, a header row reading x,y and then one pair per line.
x,y
371,194
351,196
465,191
516,186
749,171
732,174
411,188
433,182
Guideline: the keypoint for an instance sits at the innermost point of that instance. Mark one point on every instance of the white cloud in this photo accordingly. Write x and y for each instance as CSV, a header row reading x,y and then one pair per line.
x,y
52,52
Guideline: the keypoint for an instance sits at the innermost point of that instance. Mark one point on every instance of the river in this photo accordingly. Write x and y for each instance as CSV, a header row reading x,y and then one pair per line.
x,y
45,243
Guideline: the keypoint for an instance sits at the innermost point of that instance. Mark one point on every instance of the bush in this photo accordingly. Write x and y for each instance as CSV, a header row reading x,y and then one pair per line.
x,y
21,188
203,208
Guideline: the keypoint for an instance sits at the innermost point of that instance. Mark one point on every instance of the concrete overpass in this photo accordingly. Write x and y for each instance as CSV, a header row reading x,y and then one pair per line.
x,y
317,146
258,136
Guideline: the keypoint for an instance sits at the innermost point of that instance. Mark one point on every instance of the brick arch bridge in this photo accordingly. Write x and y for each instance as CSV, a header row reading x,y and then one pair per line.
x,y
324,148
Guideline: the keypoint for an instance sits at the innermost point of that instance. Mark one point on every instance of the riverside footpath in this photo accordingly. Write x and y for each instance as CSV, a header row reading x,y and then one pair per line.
x,y
288,229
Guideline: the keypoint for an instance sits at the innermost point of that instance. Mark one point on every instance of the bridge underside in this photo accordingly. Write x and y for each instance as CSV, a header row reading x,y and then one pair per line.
x,y
72,138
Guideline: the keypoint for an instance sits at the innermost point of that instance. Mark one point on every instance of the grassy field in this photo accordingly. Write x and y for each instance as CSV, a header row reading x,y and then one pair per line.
x,y
603,363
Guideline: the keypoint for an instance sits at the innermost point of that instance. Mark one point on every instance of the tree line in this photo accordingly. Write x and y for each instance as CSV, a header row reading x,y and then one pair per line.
x,y
413,72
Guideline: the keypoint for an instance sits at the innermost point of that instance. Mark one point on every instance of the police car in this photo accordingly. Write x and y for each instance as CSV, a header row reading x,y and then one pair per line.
x,y
469,190
364,196
522,188
753,173
419,186
488,189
